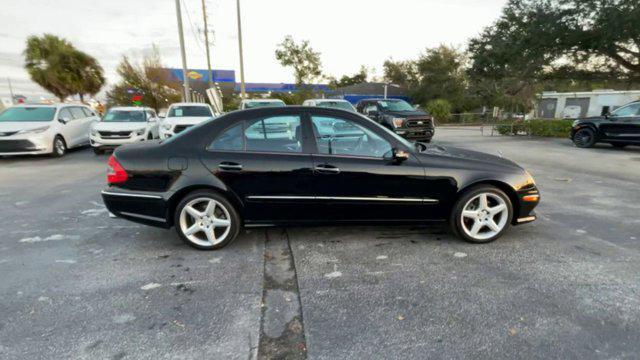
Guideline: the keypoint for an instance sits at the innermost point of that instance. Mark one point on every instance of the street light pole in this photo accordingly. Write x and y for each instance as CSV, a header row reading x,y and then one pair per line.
x,y
185,83
242,87
10,89
206,44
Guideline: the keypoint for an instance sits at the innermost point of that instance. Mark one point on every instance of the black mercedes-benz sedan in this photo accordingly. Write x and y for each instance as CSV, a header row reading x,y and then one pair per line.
x,y
308,165
619,128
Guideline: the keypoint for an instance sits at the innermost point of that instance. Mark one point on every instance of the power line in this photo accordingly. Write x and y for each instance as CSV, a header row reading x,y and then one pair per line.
x,y
194,32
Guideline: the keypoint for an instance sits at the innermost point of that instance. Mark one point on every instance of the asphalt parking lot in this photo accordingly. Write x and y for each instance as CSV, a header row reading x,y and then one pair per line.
x,y
79,284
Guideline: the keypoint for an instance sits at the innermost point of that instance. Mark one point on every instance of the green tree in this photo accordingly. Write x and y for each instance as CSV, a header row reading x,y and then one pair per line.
x,y
148,79
306,63
346,80
57,66
438,73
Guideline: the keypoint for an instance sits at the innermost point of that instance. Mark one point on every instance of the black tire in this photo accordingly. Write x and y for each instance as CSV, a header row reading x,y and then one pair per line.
x,y
98,151
59,147
619,145
584,138
456,219
150,136
207,194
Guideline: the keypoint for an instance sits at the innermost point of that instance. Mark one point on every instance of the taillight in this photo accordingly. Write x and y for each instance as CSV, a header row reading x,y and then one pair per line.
x,y
115,173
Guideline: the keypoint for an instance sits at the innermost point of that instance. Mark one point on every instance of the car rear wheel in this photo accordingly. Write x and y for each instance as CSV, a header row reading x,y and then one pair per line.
x,y
482,214
59,147
206,220
584,138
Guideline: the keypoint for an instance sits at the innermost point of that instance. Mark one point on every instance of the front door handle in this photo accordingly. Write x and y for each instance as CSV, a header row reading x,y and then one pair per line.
x,y
327,169
229,166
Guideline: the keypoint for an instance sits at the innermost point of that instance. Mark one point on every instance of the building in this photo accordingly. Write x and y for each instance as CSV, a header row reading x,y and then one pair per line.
x,y
555,105
369,90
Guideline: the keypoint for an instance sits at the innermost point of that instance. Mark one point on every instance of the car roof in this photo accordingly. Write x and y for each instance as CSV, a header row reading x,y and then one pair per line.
x,y
189,104
55,105
340,100
130,108
263,100
378,99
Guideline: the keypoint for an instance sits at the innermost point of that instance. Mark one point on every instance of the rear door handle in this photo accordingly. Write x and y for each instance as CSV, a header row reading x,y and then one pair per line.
x,y
327,169
229,166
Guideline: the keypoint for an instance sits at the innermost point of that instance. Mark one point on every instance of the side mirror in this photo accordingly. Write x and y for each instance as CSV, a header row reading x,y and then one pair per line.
x,y
373,113
400,155
63,119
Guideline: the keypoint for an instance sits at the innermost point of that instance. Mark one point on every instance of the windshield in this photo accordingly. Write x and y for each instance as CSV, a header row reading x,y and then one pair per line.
x,y
255,104
336,105
400,139
188,110
629,110
124,116
395,105
28,114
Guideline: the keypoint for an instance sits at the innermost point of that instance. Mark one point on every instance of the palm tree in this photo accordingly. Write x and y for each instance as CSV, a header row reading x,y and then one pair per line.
x,y
60,68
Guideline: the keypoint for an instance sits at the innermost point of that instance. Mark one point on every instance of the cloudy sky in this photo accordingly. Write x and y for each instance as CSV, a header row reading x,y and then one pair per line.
x,y
348,33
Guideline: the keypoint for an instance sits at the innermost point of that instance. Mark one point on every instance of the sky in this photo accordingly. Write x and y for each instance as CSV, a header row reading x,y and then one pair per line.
x,y
347,33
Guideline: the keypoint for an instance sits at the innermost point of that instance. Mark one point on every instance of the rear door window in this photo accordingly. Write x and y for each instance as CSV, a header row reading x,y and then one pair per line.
x,y
230,139
78,113
281,134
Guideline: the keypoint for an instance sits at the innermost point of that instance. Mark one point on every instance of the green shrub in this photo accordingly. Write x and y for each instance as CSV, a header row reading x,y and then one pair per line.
x,y
536,127
440,109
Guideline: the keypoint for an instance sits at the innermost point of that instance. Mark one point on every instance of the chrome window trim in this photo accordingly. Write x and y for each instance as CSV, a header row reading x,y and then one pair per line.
x,y
344,198
104,192
145,217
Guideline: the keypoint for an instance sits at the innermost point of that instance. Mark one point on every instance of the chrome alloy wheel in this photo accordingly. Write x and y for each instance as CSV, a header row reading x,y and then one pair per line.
x,y
205,222
484,216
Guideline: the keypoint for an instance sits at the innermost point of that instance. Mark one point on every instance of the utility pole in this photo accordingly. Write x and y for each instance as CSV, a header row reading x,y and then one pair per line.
x,y
185,83
10,89
206,44
242,88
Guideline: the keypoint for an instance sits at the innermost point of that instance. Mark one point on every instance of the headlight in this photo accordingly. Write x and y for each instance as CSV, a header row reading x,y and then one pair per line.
x,y
140,131
166,126
34,131
530,180
397,122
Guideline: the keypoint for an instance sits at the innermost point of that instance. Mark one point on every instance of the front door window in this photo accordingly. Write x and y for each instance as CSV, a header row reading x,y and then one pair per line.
x,y
337,136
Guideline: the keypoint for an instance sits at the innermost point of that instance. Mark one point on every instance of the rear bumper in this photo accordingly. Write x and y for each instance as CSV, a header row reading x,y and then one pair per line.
x,y
145,208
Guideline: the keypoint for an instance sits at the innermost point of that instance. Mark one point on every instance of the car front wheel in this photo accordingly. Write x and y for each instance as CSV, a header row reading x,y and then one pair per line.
x,y
482,214
206,220
59,147
584,138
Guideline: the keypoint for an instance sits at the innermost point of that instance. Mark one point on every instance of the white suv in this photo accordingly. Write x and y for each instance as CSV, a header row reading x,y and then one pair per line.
x,y
254,103
330,103
124,125
181,116
44,129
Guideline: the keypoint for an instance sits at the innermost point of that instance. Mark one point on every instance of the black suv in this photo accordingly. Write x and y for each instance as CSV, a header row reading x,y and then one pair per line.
x,y
400,117
619,128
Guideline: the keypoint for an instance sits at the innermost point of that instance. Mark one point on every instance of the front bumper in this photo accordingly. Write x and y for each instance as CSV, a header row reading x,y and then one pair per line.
x,y
528,199
141,207
99,142
415,133
25,145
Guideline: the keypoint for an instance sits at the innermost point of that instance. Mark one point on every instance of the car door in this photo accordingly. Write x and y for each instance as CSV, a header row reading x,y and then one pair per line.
x,y
77,126
266,164
623,124
152,123
88,121
68,128
356,177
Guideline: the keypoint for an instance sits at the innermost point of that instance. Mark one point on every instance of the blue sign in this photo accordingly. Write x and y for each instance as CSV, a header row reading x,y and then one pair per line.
x,y
219,76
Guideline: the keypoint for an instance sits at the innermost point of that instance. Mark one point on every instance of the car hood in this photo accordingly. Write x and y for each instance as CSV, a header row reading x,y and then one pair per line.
x,y
185,120
22,125
469,155
405,113
591,118
119,126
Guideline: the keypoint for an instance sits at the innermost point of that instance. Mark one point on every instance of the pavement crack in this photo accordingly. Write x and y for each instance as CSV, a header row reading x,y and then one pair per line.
x,y
281,324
